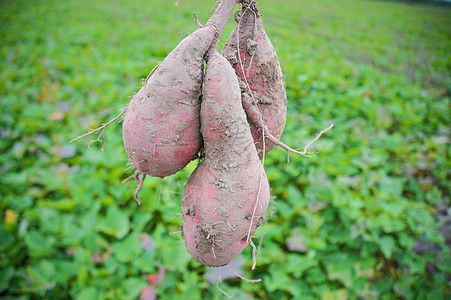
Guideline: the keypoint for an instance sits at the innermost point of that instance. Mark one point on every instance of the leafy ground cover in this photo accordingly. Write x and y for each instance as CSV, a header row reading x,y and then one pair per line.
x,y
358,220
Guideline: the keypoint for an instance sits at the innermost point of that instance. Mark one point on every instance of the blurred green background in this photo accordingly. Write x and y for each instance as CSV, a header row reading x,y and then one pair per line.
x,y
358,220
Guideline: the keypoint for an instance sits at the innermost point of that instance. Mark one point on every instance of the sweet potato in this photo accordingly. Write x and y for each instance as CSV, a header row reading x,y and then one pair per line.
x,y
255,61
161,124
226,197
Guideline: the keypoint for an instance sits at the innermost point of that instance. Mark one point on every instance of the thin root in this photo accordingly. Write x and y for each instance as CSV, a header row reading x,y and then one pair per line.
x,y
98,140
271,212
128,178
100,128
241,277
316,138
274,140
261,235
214,8
129,167
254,254
139,177
249,238
217,285
197,21
253,212
151,72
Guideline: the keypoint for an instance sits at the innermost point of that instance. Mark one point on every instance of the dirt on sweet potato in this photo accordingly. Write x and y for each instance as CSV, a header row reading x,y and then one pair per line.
x,y
226,197
255,61
161,125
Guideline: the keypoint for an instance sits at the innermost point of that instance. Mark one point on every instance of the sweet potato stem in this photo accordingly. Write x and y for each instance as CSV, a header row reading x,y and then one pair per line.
x,y
221,15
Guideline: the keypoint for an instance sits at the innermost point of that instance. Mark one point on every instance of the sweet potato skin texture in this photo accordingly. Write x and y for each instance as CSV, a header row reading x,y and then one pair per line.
x,y
226,197
161,125
261,68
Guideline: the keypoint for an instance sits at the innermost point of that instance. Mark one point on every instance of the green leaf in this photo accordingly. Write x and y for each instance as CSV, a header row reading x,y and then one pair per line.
x,y
392,186
314,221
71,233
140,219
6,274
340,267
279,280
115,223
404,287
146,262
51,220
90,218
297,264
39,244
42,277
341,294
131,288
436,294
296,241
6,239
127,249
90,293
65,271
65,204
387,244
387,224
318,243
396,207
315,276
173,254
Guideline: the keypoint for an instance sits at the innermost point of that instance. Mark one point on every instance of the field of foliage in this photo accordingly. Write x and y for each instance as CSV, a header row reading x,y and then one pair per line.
x,y
359,219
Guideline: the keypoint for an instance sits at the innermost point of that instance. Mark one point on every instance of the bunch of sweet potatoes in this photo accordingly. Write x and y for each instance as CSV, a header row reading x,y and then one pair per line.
x,y
234,109
179,109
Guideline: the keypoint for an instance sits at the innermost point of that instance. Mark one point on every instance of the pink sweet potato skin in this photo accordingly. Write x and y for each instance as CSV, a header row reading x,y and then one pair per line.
x,y
226,197
161,125
256,54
